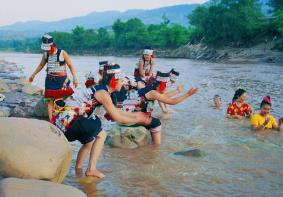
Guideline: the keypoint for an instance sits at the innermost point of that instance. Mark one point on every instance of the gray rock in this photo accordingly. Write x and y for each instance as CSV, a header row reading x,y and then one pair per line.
x,y
32,89
14,187
5,111
40,110
4,88
127,137
191,153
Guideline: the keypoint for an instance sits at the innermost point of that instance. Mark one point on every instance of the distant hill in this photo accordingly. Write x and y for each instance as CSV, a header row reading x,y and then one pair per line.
x,y
176,14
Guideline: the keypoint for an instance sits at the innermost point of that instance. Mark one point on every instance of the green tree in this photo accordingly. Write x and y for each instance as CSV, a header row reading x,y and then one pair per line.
x,y
228,21
276,4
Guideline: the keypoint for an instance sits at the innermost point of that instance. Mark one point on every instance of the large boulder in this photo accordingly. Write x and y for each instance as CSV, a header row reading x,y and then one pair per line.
x,y
4,88
127,137
13,187
35,149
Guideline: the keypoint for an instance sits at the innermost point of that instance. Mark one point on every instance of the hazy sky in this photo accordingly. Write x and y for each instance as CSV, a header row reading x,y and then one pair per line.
x,y
12,11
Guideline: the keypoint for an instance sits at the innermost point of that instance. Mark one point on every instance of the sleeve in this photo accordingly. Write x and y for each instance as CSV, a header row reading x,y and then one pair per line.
x,y
248,109
273,122
230,109
254,121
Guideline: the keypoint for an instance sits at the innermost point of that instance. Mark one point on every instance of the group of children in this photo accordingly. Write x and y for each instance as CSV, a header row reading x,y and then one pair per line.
x,y
126,99
238,109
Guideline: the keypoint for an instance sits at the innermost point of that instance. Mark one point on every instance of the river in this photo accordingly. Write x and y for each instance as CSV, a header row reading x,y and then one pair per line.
x,y
237,161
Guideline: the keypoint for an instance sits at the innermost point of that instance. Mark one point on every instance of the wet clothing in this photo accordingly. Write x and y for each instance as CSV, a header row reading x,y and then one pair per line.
x,y
119,97
84,130
146,105
257,120
90,93
234,109
77,117
155,122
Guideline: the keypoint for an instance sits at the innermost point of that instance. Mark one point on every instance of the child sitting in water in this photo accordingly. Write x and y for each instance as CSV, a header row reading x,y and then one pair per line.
x,y
238,109
263,120
217,103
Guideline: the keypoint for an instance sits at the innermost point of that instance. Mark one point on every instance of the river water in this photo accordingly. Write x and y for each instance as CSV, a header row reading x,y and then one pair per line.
x,y
237,162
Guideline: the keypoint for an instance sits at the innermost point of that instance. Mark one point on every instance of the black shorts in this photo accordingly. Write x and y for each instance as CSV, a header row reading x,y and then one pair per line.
x,y
155,122
84,130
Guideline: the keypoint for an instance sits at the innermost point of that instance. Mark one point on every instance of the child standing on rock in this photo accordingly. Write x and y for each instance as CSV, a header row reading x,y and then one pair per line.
x,y
57,84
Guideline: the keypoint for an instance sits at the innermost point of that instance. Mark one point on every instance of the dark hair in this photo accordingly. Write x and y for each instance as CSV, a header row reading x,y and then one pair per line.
x,y
106,79
238,94
265,101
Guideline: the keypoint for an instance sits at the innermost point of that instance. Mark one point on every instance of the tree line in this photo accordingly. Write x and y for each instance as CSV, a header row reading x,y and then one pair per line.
x,y
218,23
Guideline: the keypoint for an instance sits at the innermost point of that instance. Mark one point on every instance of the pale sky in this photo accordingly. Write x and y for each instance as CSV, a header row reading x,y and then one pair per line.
x,y
12,11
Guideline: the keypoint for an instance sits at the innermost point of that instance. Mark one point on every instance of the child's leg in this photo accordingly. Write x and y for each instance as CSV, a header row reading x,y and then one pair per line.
x,y
50,106
156,135
82,154
95,152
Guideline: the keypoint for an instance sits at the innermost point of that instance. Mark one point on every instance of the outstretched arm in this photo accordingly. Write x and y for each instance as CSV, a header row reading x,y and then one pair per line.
x,y
71,67
38,69
175,92
154,95
119,116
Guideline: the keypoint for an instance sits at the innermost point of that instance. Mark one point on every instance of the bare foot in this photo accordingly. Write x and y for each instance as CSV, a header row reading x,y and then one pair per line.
x,y
95,173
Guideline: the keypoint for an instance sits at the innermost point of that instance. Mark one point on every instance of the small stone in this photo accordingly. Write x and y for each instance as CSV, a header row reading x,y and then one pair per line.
x,y
191,153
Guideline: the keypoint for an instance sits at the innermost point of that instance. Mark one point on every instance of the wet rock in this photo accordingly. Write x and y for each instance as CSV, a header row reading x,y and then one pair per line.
x,y
40,109
14,187
33,149
32,89
22,81
191,153
5,111
127,137
13,87
20,111
4,88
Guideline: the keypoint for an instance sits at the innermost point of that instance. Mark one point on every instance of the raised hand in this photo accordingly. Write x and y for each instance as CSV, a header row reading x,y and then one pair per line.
x,y
192,91
266,121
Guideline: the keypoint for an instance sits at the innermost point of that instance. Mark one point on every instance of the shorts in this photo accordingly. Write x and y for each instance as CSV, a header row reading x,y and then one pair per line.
x,y
84,130
154,126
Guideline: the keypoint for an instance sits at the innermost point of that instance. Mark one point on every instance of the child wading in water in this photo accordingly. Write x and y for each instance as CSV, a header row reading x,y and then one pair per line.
x,y
217,103
263,120
238,109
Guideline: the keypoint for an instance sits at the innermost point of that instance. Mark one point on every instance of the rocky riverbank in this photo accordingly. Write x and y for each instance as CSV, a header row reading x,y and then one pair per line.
x,y
264,52
18,97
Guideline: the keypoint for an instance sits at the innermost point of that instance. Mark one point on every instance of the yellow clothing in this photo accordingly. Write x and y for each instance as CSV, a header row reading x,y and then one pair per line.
x,y
258,120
